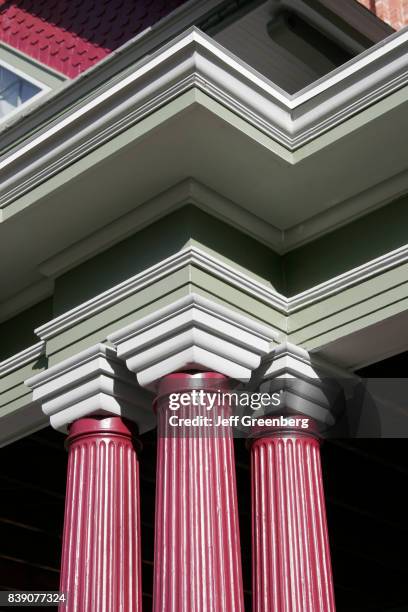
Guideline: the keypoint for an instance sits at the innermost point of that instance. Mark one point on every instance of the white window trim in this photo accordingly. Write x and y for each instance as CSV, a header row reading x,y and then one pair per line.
x,y
23,75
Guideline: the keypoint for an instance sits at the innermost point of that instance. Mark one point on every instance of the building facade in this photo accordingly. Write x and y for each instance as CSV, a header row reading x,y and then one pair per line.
x,y
198,199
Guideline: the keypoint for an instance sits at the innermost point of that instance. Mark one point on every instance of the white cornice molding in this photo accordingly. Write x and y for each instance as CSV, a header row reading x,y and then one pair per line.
x,y
23,358
356,276
193,60
220,269
193,332
188,256
94,381
289,358
310,386
116,294
197,257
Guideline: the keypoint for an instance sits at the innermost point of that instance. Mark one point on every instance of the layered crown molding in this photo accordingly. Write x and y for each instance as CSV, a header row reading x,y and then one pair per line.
x,y
193,86
222,270
193,60
93,382
190,333
188,191
193,333
22,358
309,386
248,285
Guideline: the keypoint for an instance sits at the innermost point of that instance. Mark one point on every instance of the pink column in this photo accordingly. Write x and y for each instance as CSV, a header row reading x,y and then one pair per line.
x,y
197,548
291,556
101,562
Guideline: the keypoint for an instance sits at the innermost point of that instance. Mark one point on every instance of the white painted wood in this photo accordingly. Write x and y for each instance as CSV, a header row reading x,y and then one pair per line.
x,y
308,386
193,332
194,256
22,358
92,382
195,60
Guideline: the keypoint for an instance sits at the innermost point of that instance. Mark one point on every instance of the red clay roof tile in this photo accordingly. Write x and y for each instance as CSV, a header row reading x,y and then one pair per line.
x,y
72,36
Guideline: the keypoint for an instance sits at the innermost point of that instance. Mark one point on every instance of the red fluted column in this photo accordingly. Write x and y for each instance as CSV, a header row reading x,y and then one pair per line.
x,y
197,547
101,561
291,556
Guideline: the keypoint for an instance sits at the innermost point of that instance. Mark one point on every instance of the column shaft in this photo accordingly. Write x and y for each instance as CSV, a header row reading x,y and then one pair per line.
x,y
101,562
291,556
197,547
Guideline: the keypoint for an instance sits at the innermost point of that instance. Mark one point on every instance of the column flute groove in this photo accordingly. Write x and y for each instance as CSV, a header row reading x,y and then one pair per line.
x,y
197,549
291,556
101,562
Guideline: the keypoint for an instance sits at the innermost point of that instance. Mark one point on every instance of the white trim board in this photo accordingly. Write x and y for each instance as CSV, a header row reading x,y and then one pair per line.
x,y
186,192
193,331
20,359
92,381
193,60
42,86
197,257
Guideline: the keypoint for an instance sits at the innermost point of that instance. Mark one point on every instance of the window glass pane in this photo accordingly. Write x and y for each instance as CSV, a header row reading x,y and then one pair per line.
x,y
14,91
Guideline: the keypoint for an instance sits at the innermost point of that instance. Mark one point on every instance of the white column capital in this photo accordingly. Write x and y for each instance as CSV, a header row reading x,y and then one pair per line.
x,y
310,386
193,332
93,382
